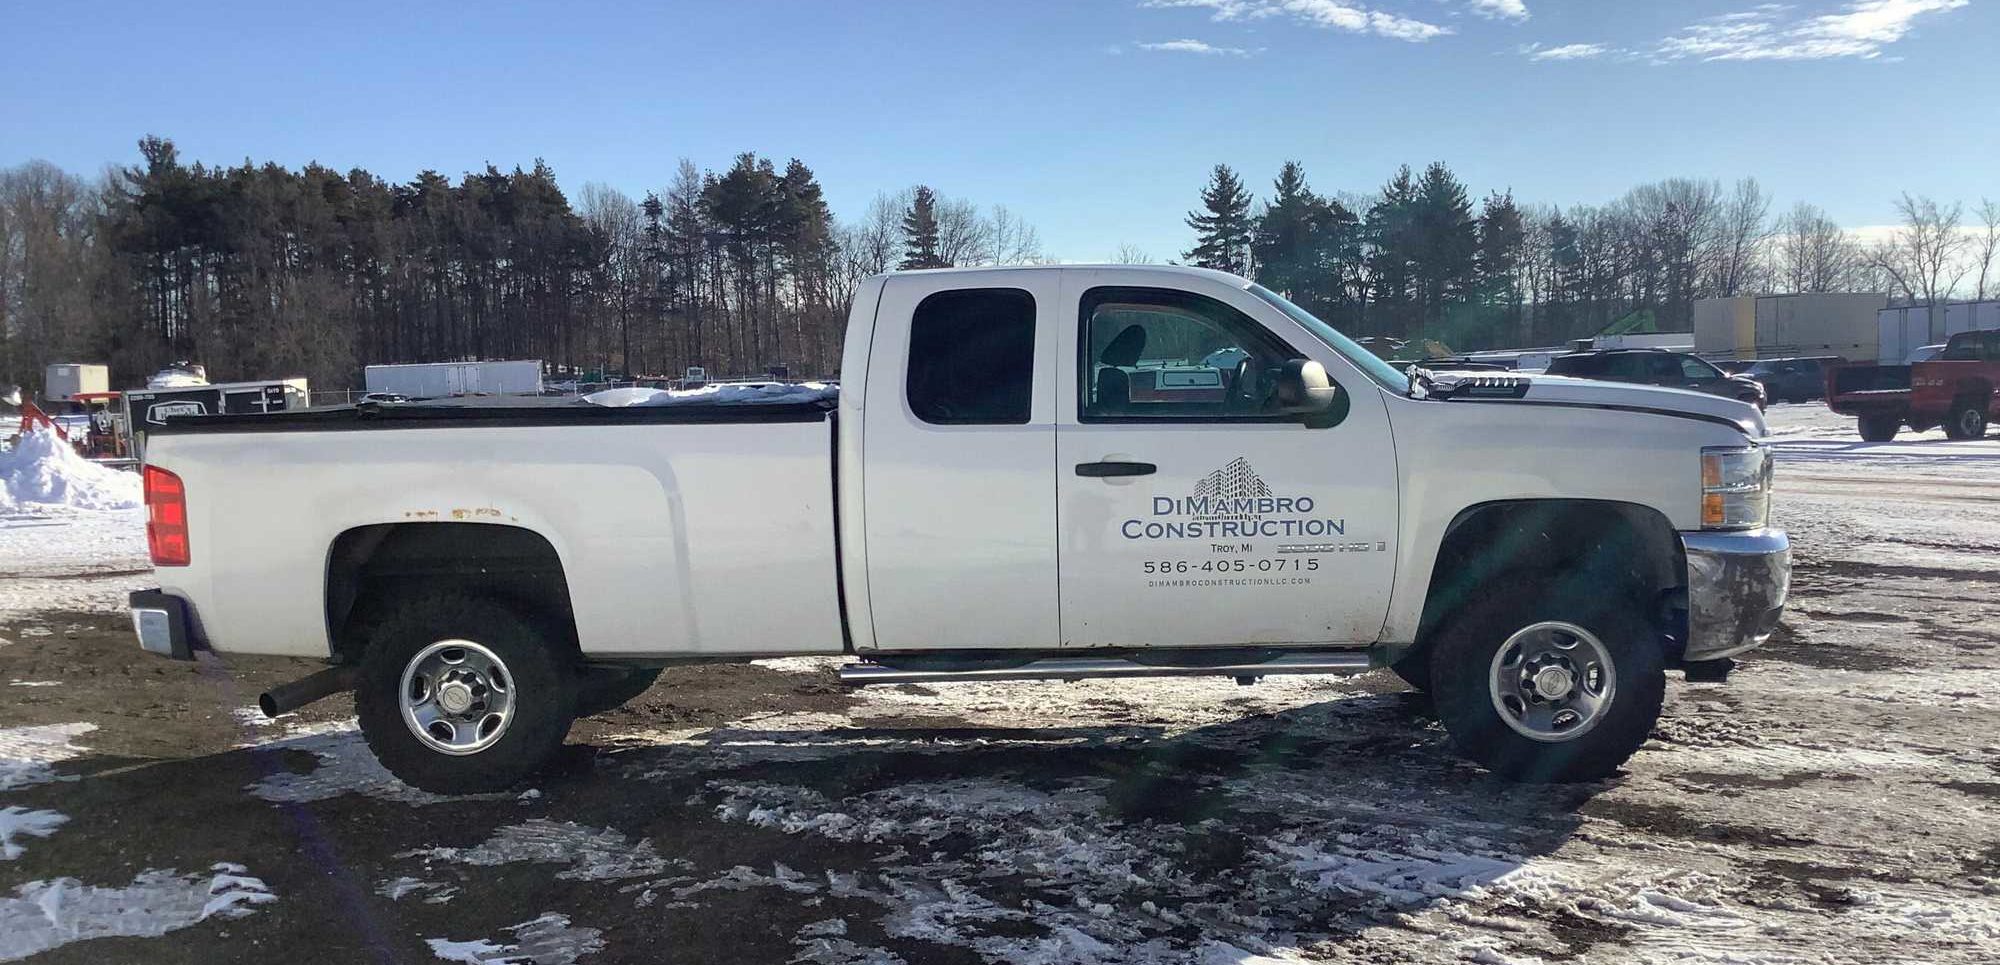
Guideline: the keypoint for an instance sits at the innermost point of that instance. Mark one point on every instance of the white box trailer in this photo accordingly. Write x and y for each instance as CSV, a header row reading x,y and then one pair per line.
x,y
434,380
1900,331
1821,323
66,380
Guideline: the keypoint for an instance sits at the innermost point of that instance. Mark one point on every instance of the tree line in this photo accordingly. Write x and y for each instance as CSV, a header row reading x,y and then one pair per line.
x,y
1417,259
257,270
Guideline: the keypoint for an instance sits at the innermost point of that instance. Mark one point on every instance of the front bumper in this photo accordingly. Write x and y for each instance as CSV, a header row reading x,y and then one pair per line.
x,y
165,624
1737,583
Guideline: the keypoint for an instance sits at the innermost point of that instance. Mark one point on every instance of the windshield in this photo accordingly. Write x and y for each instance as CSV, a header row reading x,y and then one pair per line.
x,y
1368,362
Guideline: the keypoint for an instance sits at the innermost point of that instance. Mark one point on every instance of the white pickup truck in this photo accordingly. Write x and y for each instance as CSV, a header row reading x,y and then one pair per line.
x,y
1064,473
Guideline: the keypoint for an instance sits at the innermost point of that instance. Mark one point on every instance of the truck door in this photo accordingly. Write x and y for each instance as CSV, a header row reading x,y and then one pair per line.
x,y
958,445
1193,512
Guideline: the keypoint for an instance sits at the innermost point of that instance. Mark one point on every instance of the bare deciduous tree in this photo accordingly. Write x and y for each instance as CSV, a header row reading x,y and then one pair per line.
x,y
1131,254
1813,253
1922,259
964,238
1743,225
1014,241
1987,246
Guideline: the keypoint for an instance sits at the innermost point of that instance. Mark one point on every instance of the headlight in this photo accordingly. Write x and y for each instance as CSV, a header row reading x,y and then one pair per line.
x,y
1735,487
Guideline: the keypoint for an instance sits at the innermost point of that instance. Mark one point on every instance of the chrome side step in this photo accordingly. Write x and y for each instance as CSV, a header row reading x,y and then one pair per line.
x,y
1094,668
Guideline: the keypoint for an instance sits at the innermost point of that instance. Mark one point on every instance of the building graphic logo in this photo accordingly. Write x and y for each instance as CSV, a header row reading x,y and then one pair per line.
x,y
1234,481
1232,502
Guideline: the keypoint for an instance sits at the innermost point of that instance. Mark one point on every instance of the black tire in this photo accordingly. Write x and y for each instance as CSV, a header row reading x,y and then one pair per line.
x,y
1879,428
1463,659
1415,669
613,690
1967,419
542,685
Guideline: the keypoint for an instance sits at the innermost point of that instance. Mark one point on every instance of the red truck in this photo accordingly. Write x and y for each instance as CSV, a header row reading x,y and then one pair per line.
x,y
1954,390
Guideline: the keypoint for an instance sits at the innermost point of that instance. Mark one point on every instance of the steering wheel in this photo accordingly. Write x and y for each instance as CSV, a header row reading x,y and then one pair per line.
x,y
1243,390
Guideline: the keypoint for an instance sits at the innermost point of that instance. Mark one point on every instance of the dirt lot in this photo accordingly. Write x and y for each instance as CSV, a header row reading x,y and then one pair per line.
x,y
1837,801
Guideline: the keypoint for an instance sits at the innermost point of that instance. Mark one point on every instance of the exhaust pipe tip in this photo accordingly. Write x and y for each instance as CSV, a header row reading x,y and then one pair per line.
x,y
285,698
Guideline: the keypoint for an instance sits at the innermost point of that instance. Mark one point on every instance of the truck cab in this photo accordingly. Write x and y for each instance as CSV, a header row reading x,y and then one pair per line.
x,y
1072,473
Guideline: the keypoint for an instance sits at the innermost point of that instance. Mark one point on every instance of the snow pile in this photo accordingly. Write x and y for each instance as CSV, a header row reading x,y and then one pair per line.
x,y
27,752
19,823
593,854
45,914
41,470
548,940
734,393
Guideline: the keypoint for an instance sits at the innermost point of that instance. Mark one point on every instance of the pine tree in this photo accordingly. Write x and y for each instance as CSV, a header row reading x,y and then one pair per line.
x,y
1305,245
1443,259
1222,228
1501,238
1390,239
920,232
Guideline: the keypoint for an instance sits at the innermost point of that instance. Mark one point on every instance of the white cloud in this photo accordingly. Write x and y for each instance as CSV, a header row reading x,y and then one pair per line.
x,y
1194,47
1331,14
1565,52
1501,9
1858,28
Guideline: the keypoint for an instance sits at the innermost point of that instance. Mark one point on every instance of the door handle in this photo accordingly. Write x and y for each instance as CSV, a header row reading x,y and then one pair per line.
x,y
1100,470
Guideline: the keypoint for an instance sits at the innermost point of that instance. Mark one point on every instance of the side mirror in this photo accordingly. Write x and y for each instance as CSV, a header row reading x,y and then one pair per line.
x,y
1304,390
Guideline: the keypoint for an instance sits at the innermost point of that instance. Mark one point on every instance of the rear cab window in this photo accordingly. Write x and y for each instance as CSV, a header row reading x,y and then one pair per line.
x,y
972,357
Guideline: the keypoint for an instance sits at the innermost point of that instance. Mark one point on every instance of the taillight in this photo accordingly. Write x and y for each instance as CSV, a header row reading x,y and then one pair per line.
x,y
166,517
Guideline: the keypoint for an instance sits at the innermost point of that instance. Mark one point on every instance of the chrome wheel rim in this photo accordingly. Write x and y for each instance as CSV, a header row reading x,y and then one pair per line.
x,y
1969,424
1552,681
457,697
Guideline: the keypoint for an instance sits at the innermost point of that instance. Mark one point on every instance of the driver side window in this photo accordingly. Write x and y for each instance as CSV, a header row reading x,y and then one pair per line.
x,y
1155,353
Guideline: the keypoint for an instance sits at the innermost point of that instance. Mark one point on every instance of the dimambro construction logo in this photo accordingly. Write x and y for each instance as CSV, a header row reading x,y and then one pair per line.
x,y
1232,503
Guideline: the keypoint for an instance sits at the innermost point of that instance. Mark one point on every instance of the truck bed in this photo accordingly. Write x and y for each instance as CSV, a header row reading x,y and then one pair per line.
x,y
681,529
1858,389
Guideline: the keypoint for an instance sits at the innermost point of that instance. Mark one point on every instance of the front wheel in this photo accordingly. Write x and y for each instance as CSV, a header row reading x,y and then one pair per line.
x,y
1548,690
460,695
1879,428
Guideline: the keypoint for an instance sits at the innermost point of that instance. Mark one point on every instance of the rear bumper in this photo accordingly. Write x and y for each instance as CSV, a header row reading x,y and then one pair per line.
x,y
1737,584
164,624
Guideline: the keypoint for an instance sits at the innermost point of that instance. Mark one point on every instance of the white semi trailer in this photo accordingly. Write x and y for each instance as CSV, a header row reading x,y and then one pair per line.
x,y
437,380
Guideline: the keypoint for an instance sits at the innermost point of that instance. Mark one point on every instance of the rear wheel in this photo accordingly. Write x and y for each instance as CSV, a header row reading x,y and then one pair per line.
x,y
1879,428
1967,419
460,695
1555,687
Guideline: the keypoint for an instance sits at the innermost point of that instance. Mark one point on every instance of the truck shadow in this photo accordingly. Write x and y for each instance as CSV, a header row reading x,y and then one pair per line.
x,y
1296,829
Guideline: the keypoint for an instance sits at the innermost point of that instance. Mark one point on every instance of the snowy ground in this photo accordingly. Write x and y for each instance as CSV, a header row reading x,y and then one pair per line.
x,y
1833,803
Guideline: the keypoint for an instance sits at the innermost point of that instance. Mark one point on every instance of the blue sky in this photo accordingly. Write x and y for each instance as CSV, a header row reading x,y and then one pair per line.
x,y
1097,121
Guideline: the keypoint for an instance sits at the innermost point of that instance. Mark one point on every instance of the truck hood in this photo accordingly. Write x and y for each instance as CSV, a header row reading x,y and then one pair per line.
x,y
1562,390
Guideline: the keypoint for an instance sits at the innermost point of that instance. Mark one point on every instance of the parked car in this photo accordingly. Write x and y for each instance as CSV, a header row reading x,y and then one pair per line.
x,y
1648,366
1022,476
1795,379
1955,390
1924,353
